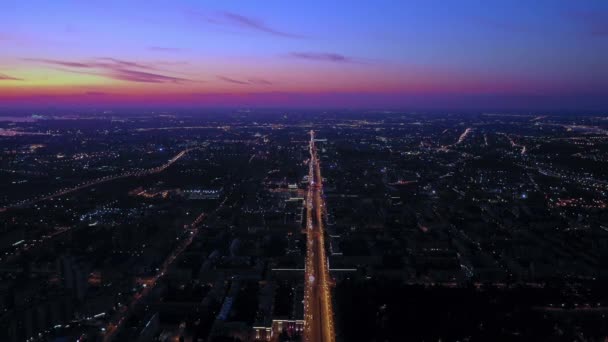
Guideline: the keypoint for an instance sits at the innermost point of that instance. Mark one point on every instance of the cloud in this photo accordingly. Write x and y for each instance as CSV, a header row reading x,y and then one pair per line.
x,y
251,81
259,81
231,19
140,76
113,68
231,80
164,49
322,57
59,63
123,63
5,77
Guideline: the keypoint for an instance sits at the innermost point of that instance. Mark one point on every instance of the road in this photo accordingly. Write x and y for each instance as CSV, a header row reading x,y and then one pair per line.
x,y
192,230
318,312
97,181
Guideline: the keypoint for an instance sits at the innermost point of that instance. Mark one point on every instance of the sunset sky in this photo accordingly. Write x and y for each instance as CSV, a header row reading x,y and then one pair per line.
x,y
412,54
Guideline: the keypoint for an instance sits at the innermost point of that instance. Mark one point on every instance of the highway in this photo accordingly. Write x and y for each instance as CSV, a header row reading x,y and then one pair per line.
x,y
318,312
33,244
97,181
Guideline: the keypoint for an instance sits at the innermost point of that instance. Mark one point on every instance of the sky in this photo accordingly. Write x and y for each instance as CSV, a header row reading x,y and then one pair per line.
x,y
478,55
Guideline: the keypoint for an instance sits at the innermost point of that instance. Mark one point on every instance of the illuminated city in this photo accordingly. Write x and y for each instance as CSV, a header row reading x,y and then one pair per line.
x,y
276,230
233,171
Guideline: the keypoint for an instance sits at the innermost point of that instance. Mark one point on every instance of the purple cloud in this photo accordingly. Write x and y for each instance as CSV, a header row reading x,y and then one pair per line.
x,y
140,76
322,57
251,81
231,80
5,77
231,19
59,63
113,68
259,81
123,63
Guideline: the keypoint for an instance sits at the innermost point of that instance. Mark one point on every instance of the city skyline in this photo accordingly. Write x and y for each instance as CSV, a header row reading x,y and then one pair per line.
x,y
314,226
312,171
549,55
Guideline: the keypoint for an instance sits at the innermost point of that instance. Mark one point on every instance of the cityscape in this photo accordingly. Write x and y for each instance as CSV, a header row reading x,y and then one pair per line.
x,y
304,226
229,171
